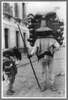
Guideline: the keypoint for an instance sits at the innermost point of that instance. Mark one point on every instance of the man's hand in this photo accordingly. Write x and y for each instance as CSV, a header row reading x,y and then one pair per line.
x,y
29,56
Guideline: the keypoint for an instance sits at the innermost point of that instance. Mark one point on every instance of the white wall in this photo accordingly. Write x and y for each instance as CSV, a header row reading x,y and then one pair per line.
x,y
12,34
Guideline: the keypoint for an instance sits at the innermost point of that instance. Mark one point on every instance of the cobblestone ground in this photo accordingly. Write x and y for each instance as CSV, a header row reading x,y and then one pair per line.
x,y
25,84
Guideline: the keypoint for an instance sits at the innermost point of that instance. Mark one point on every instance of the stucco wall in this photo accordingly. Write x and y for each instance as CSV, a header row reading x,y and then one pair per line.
x,y
12,34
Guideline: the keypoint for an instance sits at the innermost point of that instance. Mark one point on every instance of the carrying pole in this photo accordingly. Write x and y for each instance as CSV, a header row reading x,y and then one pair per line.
x,y
29,59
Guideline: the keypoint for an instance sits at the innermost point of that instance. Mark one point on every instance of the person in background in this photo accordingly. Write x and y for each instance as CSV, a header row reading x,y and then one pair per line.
x,y
10,71
10,67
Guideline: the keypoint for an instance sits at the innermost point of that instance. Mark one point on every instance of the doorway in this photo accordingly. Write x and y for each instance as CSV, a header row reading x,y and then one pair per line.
x,y
6,37
24,37
17,39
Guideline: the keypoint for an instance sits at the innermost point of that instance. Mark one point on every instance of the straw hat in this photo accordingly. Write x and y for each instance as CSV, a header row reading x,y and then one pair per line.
x,y
43,27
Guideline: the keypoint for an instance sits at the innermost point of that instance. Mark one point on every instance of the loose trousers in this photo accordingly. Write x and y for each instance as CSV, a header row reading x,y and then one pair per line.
x,y
47,71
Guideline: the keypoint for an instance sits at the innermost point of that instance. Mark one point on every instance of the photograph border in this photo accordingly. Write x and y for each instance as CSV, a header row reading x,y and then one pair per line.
x,y
1,47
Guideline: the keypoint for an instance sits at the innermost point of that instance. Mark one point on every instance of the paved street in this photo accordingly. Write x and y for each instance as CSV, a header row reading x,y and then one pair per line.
x,y
25,84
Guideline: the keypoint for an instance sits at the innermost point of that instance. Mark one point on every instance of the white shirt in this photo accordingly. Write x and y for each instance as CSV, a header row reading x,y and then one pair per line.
x,y
45,44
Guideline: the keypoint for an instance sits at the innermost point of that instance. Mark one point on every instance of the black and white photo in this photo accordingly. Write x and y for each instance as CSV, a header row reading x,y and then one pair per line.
x,y
33,49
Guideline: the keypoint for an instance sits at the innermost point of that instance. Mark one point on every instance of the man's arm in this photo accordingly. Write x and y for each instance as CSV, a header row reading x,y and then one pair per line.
x,y
56,46
34,50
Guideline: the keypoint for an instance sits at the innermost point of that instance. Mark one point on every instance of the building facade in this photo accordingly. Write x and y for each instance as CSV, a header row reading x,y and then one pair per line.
x,y
13,14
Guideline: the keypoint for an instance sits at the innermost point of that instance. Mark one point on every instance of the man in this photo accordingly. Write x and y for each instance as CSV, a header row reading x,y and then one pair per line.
x,y
45,47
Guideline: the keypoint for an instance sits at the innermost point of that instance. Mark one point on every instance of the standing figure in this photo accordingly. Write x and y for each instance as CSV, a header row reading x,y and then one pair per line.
x,y
44,48
10,58
10,71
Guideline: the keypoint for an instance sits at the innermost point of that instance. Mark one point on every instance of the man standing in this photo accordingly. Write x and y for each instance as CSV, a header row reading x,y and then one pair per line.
x,y
45,47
